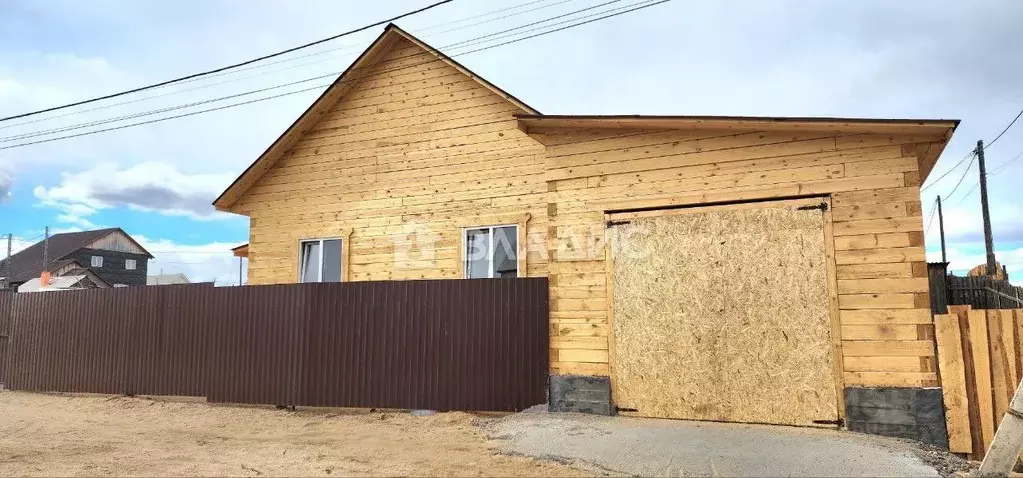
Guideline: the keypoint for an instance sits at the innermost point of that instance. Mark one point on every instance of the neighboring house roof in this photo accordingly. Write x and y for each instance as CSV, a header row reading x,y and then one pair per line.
x,y
28,263
330,97
86,280
167,279
241,251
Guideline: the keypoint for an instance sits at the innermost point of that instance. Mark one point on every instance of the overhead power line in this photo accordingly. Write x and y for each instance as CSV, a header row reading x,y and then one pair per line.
x,y
953,168
286,60
973,152
619,11
961,178
1006,164
157,120
229,67
931,215
1014,120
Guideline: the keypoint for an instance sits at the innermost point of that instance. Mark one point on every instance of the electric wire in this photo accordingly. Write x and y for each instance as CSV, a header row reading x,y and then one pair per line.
x,y
930,216
162,110
228,67
635,7
264,65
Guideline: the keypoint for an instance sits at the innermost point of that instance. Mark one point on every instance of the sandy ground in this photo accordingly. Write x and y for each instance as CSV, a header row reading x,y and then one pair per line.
x,y
43,434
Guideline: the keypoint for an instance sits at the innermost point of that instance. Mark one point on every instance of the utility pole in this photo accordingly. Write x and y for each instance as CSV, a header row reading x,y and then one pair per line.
x,y
7,262
941,230
46,247
989,243
239,271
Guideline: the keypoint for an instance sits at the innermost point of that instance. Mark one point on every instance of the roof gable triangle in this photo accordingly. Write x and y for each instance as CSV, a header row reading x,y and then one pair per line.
x,y
347,81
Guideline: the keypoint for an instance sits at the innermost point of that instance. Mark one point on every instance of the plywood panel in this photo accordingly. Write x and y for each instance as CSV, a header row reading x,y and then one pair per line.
x,y
723,315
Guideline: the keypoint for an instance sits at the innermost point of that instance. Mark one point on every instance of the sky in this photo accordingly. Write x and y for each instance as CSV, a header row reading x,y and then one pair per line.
x,y
873,58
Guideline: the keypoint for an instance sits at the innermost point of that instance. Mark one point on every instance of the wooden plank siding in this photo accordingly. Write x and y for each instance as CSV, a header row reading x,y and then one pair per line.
x,y
406,157
414,149
886,327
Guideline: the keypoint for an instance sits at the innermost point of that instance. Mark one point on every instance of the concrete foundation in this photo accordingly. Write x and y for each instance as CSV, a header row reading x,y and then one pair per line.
x,y
580,394
914,413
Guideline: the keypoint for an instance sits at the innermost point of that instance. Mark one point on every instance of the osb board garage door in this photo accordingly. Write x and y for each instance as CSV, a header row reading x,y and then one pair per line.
x,y
722,314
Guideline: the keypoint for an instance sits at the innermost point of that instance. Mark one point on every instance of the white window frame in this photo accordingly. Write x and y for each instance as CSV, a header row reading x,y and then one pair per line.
x,y
490,253
93,262
319,265
133,263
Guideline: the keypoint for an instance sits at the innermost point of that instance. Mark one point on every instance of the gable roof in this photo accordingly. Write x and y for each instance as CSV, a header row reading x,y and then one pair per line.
x,y
28,263
341,86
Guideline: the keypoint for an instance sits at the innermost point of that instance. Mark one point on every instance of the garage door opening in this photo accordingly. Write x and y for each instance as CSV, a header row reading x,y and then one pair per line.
x,y
722,313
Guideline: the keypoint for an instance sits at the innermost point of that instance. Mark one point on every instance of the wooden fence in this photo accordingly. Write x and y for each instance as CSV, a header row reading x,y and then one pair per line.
x,y
980,361
439,344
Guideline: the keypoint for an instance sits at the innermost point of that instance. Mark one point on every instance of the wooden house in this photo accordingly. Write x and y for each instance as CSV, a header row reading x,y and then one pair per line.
x,y
747,269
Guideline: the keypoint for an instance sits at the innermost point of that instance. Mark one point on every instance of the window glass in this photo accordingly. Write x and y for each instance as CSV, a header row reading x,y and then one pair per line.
x,y
506,252
97,261
129,264
331,261
477,253
310,262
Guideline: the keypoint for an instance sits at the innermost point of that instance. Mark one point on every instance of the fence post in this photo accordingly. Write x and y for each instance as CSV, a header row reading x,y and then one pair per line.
x,y
937,279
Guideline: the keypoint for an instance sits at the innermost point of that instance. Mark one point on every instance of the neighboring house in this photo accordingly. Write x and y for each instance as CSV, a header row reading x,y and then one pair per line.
x,y
111,254
83,279
167,279
751,269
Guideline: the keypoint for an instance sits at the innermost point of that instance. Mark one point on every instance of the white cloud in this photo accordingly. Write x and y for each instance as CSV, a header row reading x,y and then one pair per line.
x,y
211,262
6,182
149,186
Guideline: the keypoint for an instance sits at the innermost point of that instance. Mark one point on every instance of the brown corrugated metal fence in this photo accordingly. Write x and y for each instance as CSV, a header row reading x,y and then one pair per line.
x,y
134,340
442,344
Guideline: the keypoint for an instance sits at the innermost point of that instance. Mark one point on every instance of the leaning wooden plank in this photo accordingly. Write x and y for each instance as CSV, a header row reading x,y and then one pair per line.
x,y
1000,375
966,333
953,383
1018,337
1011,352
982,375
1006,446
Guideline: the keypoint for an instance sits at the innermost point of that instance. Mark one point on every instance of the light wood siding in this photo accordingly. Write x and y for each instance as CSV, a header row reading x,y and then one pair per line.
x,y
407,156
416,149
116,241
873,181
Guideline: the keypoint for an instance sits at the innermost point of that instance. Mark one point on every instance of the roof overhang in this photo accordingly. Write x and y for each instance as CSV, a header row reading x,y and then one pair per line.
x,y
764,123
934,133
241,251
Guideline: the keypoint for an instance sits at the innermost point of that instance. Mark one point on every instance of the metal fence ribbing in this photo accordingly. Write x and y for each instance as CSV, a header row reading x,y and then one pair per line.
x,y
446,344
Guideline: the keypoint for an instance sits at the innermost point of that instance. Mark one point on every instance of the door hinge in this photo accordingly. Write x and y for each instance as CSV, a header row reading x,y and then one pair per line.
x,y
617,223
822,206
839,422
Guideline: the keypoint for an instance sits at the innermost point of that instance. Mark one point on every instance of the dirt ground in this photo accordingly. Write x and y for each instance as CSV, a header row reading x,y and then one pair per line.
x,y
44,434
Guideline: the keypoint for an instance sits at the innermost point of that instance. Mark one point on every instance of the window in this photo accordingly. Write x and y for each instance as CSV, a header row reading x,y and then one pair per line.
x,y
97,261
129,264
120,285
319,260
491,252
